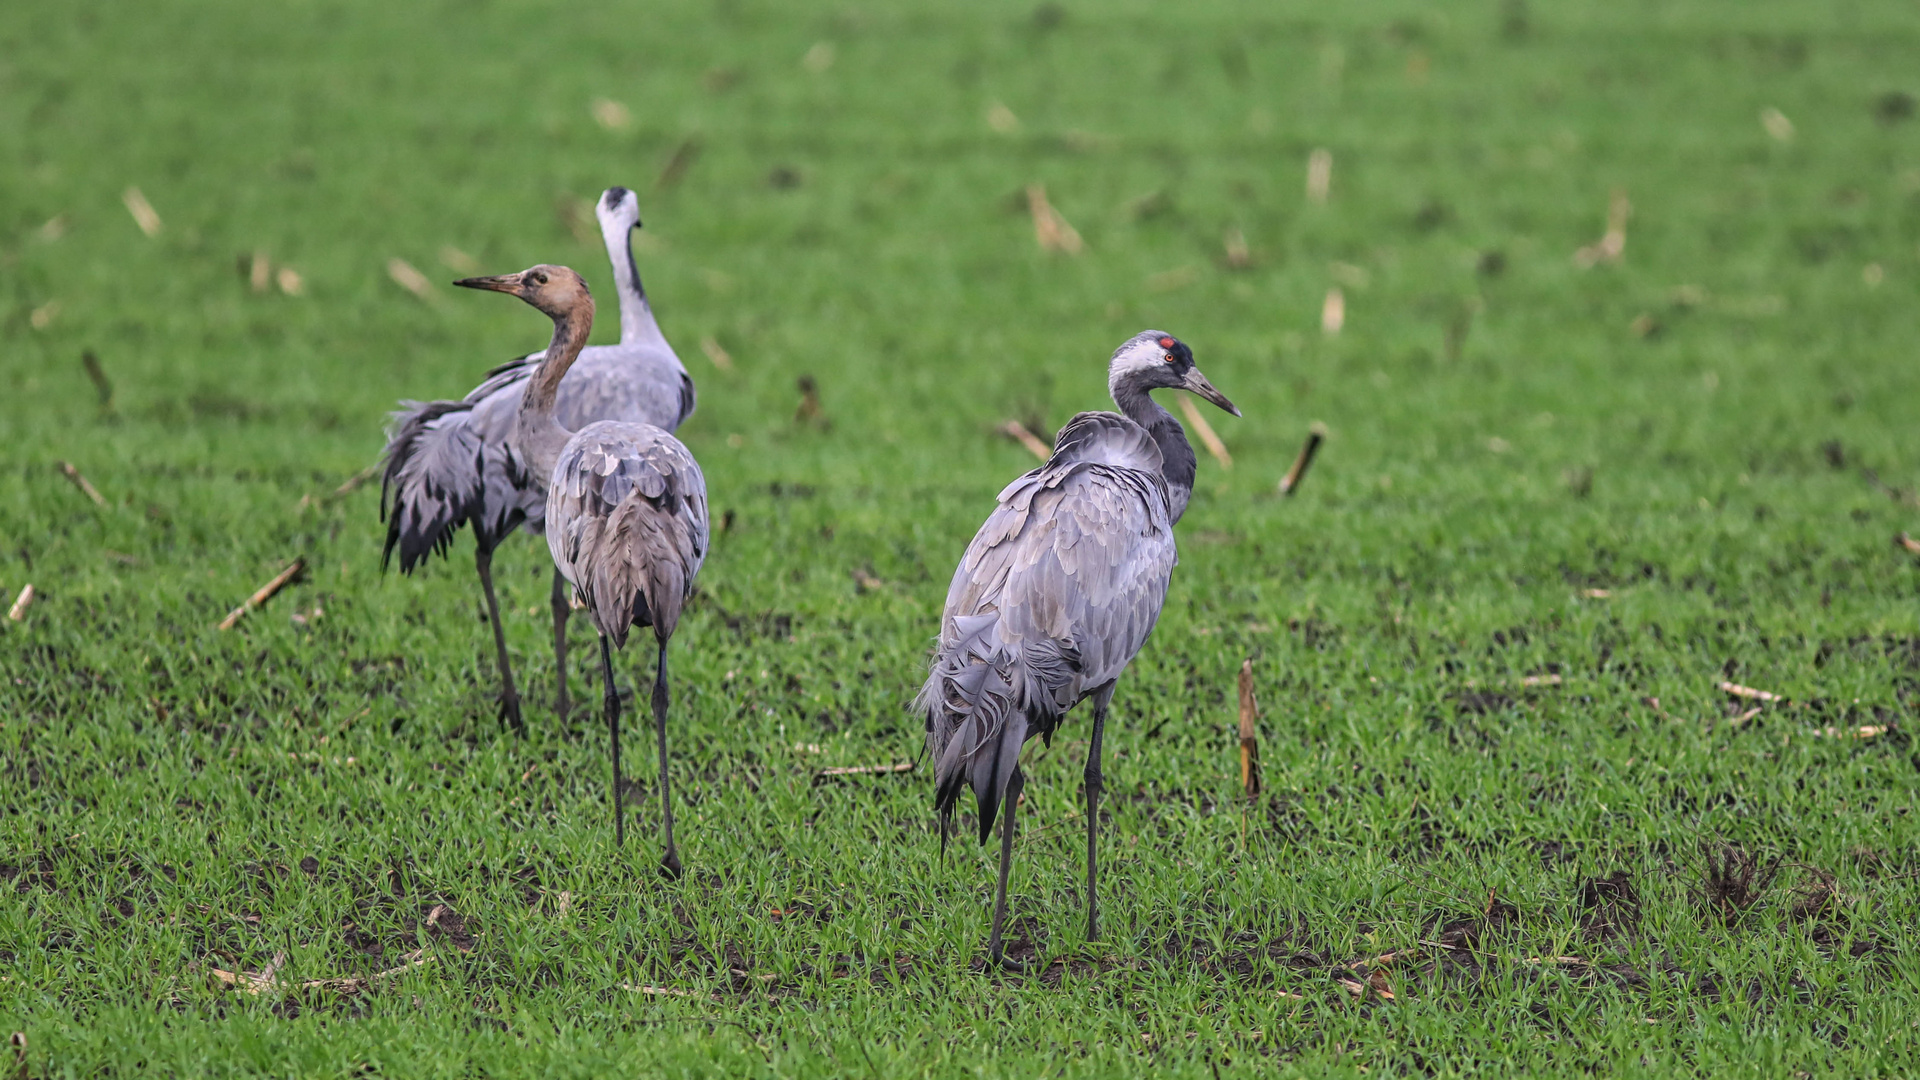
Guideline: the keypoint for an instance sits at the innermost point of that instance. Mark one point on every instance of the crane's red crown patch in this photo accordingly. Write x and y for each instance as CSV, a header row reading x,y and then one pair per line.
x,y
1166,343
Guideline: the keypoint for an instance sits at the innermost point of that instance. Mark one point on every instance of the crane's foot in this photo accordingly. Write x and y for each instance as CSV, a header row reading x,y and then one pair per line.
x,y
670,865
1011,966
510,713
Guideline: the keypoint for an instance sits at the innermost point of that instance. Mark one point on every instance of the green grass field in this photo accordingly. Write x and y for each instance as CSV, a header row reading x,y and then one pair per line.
x,y
1449,872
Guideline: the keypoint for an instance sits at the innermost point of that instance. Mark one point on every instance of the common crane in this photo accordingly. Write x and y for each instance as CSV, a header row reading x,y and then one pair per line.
x,y
1057,593
626,510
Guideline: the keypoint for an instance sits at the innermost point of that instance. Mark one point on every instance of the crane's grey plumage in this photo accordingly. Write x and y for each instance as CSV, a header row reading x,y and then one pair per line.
x,y
625,513
1058,592
453,463
627,525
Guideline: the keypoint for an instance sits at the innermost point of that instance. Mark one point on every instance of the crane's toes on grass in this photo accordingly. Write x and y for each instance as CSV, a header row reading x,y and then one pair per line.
x,y
510,714
670,866
1015,967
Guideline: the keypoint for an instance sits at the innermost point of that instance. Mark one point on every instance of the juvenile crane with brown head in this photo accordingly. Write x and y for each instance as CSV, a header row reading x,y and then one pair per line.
x,y
626,512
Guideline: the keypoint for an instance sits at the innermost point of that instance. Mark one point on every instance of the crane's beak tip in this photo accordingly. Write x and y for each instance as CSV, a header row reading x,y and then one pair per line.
x,y
1198,384
500,283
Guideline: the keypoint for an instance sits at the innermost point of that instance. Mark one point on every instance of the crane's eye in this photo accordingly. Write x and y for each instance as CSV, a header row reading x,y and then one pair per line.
x,y
540,278
1171,358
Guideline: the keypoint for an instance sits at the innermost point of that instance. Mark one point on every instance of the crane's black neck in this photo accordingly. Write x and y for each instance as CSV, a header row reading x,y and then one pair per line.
x,y
1177,463
636,311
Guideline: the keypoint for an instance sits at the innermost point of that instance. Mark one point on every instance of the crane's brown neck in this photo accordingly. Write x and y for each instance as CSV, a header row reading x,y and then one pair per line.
x,y
1177,462
539,435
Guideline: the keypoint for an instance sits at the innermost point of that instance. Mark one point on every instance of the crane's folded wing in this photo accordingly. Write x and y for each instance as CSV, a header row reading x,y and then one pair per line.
x,y
627,523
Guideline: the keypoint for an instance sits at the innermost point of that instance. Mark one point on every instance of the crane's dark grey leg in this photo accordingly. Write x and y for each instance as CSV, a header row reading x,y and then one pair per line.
x,y
1093,781
613,729
1011,801
509,697
670,862
561,609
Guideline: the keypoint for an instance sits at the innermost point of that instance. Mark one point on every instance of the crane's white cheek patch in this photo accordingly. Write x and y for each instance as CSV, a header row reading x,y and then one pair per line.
x,y
1137,360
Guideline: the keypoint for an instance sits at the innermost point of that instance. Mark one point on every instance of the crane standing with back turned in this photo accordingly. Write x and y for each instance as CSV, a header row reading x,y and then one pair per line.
x,y
626,510
1057,593
447,461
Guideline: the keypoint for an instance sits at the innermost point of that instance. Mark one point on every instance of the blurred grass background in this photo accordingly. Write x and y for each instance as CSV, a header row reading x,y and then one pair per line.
x,y
1717,428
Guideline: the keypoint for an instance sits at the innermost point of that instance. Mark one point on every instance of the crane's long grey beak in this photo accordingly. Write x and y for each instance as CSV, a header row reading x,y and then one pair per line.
x,y
1198,384
506,283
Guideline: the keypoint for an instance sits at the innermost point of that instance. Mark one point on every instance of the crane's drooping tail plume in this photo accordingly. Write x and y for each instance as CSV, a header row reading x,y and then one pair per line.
x,y
981,700
431,483
442,474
